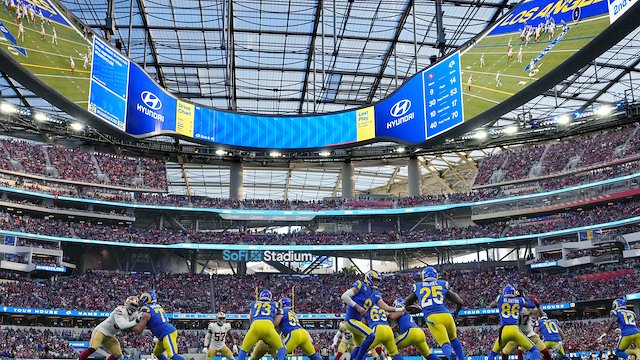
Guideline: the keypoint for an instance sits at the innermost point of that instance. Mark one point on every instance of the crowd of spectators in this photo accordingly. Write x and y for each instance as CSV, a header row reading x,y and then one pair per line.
x,y
78,165
73,164
35,344
313,293
589,150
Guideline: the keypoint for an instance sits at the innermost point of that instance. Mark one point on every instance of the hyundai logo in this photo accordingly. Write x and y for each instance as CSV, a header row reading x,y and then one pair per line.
x,y
400,108
151,100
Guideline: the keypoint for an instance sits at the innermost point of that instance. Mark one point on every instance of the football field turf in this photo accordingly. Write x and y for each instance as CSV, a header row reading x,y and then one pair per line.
x,y
50,62
485,93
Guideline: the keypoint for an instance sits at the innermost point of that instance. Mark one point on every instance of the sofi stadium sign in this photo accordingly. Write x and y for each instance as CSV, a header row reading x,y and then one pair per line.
x,y
266,255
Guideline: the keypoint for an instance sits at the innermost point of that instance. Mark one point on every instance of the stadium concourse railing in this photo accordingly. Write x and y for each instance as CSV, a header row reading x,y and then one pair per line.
x,y
307,215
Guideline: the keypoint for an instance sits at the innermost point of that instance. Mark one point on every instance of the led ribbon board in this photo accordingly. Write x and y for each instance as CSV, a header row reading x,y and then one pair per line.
x,y
530,49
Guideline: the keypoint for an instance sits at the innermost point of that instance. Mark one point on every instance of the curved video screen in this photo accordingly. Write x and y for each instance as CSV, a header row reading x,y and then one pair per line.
x,y
531,41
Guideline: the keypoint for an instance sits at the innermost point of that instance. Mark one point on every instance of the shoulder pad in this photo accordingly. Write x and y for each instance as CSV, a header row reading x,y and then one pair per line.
x,y
358,284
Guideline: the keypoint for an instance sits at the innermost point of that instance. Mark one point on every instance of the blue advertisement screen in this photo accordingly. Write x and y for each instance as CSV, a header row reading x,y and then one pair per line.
x,y
401,116
149,108
274,132
108,87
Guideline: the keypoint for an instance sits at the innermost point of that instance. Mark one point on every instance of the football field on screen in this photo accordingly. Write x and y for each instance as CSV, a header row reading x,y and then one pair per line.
x,y
48,61
484,91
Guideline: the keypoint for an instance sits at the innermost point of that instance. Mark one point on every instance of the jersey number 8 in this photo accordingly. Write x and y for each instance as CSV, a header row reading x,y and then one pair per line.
x,y
431,295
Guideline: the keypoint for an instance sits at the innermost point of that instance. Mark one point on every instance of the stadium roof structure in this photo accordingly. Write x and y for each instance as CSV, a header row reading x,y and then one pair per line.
x,y
301,56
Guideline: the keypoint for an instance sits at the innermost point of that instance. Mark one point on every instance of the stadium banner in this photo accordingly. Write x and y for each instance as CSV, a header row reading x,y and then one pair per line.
x,y
635,296
176,316
266,255
493,311
51,268
545,264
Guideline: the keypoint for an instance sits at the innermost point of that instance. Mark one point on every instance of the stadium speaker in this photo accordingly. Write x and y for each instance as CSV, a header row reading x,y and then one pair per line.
x,y
433,59
119,44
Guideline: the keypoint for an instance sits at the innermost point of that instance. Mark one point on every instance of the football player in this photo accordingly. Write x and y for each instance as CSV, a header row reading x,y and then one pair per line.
x,y
377,319
626,320
216,335
431,294
294,335
525,324
343,341
552,335
410,332
121,318
262,314
509,305
155,319
360,297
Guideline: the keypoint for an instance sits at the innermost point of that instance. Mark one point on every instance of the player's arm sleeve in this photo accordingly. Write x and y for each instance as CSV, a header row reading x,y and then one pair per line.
x,y
207,338
347,297
528,303
411,298
123,323
337,337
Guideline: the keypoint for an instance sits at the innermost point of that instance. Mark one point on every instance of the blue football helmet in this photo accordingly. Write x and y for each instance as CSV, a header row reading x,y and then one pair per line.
x,y
543,316
148,297
429,274
399,303
285,303
619,304
372,278
266,295
509,290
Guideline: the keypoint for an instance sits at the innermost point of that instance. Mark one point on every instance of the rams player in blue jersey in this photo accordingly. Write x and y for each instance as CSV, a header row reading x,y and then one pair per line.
x,y
262,314
626,320
294,335
509,305
430,294
377,320
552,335
410,333
360,297
155,319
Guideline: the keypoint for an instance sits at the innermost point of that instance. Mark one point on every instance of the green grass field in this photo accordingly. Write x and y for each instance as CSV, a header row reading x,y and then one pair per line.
x,y
50,62
484,93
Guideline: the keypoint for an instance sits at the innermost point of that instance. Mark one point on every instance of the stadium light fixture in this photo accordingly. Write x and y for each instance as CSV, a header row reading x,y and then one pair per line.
x,y
511,129
400,150
604,110
220,152
76,126
481,134
563,119
41,117
325,153
8,108
274,154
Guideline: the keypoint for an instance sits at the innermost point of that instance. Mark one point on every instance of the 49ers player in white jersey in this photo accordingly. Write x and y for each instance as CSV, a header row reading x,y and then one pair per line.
x,y
215,339
343,340
525,323
122,318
